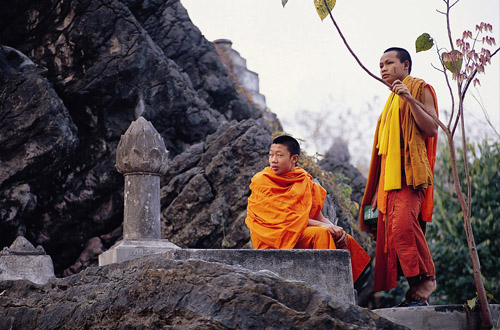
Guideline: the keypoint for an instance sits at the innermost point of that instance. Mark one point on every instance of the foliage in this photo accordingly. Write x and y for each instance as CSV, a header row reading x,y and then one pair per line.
x,y
333,183
424,42
475,61
446,239
321,9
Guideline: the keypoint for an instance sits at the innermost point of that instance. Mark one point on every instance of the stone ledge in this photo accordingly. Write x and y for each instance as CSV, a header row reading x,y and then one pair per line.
x,y
442,317
328,270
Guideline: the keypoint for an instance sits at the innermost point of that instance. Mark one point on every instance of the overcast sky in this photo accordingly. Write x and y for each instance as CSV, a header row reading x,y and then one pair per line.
x,y
303,64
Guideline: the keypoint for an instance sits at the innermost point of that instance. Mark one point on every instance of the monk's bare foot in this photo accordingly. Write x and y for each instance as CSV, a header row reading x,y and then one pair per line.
x,y
424,289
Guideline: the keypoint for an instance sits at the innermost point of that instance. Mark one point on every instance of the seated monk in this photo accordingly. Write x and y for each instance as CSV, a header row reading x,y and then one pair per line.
x,y
284,209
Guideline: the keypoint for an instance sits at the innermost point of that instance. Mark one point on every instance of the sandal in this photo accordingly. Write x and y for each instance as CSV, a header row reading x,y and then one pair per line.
x,y
413,303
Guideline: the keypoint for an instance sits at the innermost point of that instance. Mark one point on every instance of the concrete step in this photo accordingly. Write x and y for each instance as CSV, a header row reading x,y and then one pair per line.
x,y
328,270
441,317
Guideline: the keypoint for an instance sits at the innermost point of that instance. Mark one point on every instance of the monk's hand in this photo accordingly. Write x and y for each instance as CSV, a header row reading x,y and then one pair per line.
x,y
339,236
342,241
400,89
374,202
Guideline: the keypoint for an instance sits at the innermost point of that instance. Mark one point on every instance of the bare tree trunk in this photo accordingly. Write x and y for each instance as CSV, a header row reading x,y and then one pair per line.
x,y
486,320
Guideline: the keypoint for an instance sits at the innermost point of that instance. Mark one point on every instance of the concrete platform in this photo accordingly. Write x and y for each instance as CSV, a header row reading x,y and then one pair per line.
x,y
441,317
329,270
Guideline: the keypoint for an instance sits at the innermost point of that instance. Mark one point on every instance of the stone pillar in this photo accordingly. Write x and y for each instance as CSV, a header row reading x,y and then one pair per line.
x,y
141,157
21,261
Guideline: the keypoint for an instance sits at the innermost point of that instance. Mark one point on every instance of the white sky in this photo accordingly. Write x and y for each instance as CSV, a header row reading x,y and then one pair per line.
x,y
303,64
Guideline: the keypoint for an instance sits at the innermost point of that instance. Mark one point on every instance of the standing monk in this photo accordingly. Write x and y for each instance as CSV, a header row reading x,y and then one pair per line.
x,y
400,181
284,209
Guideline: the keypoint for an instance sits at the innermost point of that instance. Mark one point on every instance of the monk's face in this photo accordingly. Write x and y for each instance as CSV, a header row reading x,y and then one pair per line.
x,y
280,159
391,67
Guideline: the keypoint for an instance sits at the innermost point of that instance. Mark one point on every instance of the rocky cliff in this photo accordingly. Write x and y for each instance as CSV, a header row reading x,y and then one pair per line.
x,y
72,74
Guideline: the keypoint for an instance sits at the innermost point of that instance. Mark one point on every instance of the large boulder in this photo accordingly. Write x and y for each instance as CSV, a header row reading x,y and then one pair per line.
x,y
158,293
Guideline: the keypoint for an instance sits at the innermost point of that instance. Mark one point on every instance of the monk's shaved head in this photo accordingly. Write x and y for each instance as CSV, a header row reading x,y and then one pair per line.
x,y
291,144
402,54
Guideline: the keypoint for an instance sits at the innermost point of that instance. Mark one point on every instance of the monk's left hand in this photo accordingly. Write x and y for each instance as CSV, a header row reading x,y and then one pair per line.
x,y
341,242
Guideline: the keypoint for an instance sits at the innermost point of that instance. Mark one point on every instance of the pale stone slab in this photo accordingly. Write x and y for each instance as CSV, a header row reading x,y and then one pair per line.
x,y
21,261
37,269
130,249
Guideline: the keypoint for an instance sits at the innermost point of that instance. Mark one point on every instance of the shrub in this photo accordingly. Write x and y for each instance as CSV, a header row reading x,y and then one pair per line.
x,y
446,236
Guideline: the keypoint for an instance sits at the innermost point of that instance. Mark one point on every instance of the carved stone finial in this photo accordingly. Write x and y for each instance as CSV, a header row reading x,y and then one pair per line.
x,y
22,246
141,150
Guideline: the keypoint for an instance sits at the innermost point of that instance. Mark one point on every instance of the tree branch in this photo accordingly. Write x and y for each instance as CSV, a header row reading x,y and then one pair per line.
x,y
350,50
449,87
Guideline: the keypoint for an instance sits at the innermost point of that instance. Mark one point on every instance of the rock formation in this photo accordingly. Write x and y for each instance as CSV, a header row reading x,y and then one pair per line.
x,y
337,160
158,293
71,76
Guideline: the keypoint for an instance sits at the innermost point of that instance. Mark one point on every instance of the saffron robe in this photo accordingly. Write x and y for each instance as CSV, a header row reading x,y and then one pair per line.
x,y
418,156
278,213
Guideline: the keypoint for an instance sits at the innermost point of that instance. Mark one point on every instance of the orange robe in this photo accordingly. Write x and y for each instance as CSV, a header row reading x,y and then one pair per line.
x,y
279,210
406,243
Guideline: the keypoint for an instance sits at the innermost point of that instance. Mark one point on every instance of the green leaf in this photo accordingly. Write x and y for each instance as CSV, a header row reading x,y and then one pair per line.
x,y
322,9
424,42
283,2
452,61
472,302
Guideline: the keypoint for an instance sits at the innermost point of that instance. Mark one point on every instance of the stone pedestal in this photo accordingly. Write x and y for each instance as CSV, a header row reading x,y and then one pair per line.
x,y
21,261
141,157
134,248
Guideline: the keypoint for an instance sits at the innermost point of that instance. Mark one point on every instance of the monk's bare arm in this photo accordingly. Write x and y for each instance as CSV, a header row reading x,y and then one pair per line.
x,y
337,232
322,218
424,121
